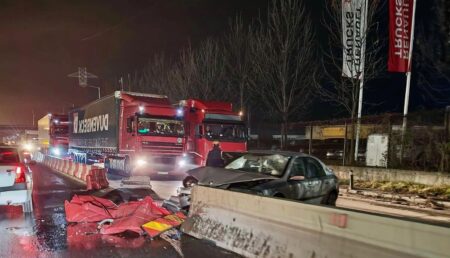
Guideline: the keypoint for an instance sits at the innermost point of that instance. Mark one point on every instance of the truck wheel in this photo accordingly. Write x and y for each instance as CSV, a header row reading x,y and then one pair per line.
x,y
127,166
27,207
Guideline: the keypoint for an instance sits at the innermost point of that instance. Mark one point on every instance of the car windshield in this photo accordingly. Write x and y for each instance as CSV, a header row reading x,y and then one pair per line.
x,y
270,164
160,127
226,132
8,156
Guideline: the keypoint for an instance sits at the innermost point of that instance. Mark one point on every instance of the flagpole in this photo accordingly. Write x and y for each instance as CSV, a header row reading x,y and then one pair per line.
x,y
361,88
408,81
358,122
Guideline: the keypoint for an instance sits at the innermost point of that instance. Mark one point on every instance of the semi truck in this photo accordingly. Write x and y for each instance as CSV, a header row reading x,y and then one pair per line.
x,y
53,134
132,133
212,121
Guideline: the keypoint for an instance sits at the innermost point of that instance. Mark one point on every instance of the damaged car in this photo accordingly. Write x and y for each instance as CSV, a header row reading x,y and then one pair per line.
x,y
289,175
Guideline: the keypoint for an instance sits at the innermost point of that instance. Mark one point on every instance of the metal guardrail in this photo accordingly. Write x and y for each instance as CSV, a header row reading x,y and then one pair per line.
x,y
256,226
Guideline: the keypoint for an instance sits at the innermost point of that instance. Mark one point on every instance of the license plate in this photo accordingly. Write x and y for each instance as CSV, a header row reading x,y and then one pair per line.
x,y
162,173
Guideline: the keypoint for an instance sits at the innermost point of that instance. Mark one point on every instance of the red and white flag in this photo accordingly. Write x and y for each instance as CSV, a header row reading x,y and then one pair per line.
x,y
400,24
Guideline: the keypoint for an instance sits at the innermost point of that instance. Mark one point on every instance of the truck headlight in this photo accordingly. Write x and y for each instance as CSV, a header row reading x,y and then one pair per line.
x,y
56,151
141,162
28,146
182,162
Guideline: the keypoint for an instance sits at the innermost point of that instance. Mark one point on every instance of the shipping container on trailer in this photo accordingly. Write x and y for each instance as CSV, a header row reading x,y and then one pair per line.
x,y
132,133
53,134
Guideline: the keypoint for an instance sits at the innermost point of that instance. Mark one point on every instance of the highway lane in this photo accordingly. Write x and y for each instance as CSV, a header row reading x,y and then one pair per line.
x,y
45,233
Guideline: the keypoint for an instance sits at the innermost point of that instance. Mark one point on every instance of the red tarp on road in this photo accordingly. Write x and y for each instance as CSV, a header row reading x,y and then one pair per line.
x,y
127,217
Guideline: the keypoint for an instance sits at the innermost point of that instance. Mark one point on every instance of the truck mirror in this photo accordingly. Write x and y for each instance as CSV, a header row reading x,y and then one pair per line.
x,y
199,132
130,125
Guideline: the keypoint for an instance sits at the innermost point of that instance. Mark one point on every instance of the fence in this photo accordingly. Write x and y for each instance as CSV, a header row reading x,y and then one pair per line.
x,y
424,145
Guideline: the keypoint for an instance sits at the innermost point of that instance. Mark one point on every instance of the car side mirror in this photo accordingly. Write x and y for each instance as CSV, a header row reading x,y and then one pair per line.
x,y
297,178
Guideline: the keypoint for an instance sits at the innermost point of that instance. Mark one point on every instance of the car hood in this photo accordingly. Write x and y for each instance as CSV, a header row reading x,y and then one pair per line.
x,y
220,176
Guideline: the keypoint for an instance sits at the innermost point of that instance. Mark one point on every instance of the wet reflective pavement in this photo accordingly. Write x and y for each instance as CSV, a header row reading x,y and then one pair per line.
x,y
45,233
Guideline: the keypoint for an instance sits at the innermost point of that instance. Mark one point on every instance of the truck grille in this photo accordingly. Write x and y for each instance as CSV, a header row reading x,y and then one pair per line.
x,y
163,147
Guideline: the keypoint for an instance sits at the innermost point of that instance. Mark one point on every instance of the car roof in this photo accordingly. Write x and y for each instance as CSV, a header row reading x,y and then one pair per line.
x,y
273,152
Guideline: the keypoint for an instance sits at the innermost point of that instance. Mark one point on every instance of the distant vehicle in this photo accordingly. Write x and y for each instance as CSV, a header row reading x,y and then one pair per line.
x,y
16,182
53,134
132,133
290,175
210,121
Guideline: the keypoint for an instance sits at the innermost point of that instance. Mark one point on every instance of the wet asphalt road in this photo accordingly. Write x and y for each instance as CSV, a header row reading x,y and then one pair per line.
x,y
45,233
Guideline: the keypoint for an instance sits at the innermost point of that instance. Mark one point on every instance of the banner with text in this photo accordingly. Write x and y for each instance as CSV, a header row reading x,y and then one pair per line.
x,y
400,19
354,26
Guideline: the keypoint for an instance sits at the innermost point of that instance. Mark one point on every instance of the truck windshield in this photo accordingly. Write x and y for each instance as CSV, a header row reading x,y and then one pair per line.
x,y
226,132
60,130
160,127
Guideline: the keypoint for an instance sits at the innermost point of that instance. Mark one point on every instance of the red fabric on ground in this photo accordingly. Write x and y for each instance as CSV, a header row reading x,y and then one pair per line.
x,y
127,216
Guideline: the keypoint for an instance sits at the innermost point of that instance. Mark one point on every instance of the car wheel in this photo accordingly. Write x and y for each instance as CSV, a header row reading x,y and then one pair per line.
x,y
27,207
189,181
331,198
278,195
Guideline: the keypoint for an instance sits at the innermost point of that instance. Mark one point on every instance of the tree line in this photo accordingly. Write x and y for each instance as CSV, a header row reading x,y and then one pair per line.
x,y
273,65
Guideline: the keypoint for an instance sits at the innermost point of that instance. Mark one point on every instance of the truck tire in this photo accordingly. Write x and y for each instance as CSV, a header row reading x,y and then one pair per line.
x,y
27,207
127,166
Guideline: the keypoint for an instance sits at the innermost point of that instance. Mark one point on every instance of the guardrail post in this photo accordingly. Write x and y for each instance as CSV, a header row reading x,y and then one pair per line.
x,y
350,184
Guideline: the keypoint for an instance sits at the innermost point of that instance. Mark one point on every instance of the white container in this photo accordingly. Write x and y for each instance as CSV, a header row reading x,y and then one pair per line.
x,y
377,150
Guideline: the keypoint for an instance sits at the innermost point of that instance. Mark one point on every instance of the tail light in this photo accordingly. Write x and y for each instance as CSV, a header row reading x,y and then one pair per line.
x,y
20,174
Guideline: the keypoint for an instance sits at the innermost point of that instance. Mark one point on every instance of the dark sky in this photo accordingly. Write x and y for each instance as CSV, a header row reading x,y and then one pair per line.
x,y
41,42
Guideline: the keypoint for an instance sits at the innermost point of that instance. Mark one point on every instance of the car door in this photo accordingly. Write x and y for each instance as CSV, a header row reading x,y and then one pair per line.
x,y
9,159
313,180
296,179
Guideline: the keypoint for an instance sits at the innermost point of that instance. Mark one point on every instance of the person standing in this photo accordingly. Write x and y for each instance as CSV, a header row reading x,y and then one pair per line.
x,y
214,158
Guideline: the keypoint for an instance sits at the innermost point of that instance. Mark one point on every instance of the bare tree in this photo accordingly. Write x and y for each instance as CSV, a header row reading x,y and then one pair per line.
x,y
283,59
238,60
334,87
210,68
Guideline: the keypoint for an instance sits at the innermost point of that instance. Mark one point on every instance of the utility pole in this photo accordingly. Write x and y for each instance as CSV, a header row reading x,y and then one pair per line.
x,y
83,76
34,116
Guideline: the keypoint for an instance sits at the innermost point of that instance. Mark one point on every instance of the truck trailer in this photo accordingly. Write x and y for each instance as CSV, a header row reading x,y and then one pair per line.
x,y
132,133
53,134
212,121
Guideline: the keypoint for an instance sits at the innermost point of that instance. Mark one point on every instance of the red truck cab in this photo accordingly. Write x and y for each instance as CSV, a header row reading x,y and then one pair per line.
x,y
210,121
152,134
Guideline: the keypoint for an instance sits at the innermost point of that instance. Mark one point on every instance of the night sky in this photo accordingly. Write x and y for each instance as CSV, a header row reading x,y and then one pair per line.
x,y
41,42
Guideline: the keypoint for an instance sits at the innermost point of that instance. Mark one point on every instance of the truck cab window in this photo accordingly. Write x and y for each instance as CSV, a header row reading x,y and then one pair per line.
x,y
226,132
160,127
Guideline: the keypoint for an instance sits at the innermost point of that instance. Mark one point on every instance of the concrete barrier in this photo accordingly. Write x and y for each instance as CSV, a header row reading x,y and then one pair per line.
x,y
256,226
94,177
394,175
